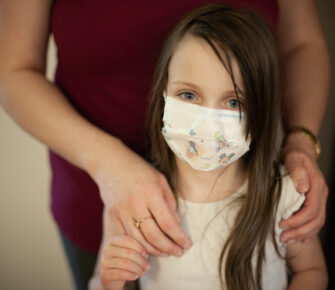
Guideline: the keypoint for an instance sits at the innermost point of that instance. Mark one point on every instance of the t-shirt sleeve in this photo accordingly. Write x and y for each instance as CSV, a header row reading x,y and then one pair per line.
x,y
290,200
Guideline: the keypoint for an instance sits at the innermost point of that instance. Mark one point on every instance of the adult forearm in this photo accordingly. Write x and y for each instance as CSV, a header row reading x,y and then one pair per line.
x,y
306,85
41,109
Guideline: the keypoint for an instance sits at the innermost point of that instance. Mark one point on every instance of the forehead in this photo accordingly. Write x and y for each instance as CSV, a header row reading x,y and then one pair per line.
x,y
194,60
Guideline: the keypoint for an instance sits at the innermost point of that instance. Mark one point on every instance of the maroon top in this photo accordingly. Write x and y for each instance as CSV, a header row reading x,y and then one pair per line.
x,y
106,57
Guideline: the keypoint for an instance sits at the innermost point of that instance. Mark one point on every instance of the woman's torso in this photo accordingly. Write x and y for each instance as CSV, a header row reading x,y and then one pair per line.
x,y
106,57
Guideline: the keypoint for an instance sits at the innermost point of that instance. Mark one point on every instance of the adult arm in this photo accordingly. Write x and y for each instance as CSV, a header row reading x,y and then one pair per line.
x,y
128,185
306,69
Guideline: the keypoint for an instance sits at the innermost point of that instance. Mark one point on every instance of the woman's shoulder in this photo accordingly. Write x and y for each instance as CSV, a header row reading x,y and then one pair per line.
x,y
290,199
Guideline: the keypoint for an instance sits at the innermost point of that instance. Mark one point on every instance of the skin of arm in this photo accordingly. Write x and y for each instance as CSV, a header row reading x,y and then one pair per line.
x,y
126,182
305,59
308,266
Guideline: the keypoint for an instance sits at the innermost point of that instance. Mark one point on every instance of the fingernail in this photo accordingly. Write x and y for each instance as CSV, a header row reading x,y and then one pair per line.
x,y
147,267
179,253
303,184
282,225
187,244
291,241
284,240
164,255
302,187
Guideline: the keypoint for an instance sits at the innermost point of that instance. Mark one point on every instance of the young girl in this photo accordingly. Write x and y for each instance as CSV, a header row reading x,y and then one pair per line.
x,y
213,123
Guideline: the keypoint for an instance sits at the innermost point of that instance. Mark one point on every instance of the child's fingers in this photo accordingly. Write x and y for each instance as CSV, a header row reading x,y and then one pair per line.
x,y
122,264
117,274
116,278
112,252
128,242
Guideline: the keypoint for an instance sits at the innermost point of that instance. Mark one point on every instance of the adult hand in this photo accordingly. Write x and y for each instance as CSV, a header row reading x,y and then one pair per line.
x,y
300,160
131,188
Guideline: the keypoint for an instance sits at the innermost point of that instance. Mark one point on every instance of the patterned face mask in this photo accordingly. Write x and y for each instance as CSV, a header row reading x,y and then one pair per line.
x,y
203,137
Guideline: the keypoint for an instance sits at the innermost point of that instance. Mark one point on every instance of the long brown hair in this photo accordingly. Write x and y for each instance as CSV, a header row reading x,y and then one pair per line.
x,y
243,35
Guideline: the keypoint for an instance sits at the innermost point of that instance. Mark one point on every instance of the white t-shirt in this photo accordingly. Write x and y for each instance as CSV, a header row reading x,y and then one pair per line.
x,y
207,224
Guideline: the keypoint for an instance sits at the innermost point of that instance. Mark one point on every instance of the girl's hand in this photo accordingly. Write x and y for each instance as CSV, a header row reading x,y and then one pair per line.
x,y
299,158
124,259
131,188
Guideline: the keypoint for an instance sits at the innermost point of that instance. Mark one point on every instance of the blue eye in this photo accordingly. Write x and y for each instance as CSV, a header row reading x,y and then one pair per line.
x,y
187,96
234,103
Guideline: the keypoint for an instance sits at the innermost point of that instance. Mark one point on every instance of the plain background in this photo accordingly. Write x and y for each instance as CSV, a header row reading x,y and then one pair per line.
x,y
31,255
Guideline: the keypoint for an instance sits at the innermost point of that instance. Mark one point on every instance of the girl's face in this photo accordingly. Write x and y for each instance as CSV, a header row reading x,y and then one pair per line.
x,y
196,75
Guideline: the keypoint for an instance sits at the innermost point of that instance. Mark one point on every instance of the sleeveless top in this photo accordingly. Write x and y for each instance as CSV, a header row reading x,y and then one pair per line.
x,y
107,52
208,226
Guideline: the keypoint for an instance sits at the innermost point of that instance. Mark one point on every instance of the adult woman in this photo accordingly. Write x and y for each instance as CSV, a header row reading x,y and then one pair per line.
x,y
101,128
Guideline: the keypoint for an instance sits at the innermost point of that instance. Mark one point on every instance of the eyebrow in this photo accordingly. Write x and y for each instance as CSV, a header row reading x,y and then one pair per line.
x,y
186,83
238,91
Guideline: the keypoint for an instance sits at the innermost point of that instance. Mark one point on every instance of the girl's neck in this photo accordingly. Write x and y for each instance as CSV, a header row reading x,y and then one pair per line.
x,y
207,186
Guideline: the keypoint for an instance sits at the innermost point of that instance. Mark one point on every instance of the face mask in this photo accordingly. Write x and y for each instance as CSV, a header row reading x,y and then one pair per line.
x,y
203,137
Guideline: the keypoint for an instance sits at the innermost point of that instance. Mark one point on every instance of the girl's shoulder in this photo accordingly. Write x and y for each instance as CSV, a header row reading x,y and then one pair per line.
x,y
290,199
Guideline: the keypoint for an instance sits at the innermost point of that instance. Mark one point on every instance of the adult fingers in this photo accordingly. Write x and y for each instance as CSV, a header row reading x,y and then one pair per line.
x,y
169,197
138,208
150,234
133,231
313,209
117,225
305,231
307,222
304,240
295,165
305,219
298,234
124,217
310,237
303,216
156,237
166,223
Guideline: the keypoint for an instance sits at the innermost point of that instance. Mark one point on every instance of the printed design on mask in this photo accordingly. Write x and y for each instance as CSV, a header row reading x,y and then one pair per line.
x,y
206,139
207,165
221,142
166,134
166,124
192,132
224,158
193,151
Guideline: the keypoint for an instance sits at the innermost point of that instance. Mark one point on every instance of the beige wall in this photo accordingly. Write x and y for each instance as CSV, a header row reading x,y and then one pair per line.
x,y
30,253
